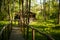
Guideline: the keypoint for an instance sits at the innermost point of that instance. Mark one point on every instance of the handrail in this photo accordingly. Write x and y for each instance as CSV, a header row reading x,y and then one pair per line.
x,y
2,30
46,35
5,32
49,37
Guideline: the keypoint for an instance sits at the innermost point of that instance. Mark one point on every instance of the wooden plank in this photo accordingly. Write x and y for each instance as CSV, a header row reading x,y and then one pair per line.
x,y
16,34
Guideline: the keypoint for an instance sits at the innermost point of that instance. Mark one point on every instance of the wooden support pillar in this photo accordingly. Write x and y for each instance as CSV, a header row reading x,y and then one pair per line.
x,y
33,34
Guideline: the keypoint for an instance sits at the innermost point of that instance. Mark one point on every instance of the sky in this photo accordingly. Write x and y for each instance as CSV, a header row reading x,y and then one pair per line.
x,y
38,2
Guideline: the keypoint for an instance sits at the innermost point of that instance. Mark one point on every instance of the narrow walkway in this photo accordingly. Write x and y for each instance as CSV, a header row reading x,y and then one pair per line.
x,y
16,34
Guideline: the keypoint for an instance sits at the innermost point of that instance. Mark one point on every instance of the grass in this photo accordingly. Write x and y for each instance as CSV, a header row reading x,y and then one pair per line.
x,y
37,35
2,23
47,27
55,33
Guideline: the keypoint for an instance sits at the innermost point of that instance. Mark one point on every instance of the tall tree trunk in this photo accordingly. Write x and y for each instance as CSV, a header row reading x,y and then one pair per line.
x,y
49,10
59,13
9,9
0,4
13,9
44,9
27,20
21,13
29,10
26,11
58,21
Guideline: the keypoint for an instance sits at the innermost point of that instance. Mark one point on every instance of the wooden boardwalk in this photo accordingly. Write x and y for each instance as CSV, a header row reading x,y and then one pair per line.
x,y
16,34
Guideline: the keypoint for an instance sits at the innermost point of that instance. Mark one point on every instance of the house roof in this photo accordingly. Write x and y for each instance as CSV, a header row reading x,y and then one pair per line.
x,y
31,13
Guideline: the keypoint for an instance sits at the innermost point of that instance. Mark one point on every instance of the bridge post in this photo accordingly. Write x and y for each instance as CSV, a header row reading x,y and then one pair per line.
x,y
33,34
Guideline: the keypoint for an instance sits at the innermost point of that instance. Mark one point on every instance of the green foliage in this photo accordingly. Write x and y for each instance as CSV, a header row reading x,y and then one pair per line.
x,y
51,13
3,23
13,8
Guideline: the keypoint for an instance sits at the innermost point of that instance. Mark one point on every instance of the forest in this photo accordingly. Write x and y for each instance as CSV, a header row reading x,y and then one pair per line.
x,y
43,15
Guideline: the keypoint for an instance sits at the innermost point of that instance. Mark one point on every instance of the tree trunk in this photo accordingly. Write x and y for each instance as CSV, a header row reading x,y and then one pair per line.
x,y
0,4
29,10
27,20
21,13
44,10
9,9
59,13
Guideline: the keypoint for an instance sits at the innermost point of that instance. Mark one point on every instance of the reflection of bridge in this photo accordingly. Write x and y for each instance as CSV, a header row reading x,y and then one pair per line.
x,y
12,32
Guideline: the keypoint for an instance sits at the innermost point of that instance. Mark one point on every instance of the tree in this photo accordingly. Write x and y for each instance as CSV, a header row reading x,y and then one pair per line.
x,y
59,13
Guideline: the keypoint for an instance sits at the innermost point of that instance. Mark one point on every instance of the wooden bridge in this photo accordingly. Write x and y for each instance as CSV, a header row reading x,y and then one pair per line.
x,y
19,33
16,34
10,32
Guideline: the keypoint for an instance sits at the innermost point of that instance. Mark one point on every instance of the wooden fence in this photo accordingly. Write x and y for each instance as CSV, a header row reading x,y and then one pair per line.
x,y
34,30
5,32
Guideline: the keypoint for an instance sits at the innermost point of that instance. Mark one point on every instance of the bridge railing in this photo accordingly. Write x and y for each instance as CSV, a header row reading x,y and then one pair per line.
x,y
34,30
33,33
5,32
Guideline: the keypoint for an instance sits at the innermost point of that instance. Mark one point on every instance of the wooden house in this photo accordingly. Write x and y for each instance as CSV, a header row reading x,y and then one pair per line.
x,y
31,16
